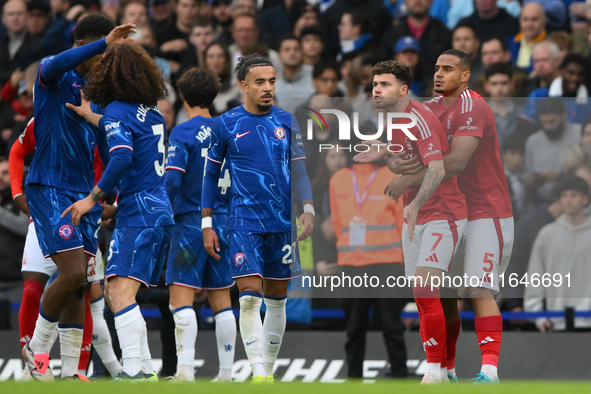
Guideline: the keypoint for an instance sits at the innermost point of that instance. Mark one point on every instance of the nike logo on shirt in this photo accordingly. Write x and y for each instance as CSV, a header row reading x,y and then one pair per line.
x,y
238,135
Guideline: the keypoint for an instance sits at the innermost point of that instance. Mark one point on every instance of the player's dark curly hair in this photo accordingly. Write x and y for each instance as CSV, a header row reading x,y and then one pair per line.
x,y
248,62
199,87
401,71
126,73
464,58
93,27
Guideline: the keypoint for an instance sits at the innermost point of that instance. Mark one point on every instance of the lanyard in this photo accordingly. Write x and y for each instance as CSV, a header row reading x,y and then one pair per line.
x,y
361,199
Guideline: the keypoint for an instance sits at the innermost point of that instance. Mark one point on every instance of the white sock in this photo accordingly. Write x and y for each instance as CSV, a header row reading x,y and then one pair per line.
x,y
490,371
145,355
443,374
435,369
44,330
451,372
185,334
225,333
101,338
273,330
52,340
130,324
70,343
251,330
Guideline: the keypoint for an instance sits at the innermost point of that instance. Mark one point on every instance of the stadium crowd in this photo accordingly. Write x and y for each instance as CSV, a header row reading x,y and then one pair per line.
x,y
530,59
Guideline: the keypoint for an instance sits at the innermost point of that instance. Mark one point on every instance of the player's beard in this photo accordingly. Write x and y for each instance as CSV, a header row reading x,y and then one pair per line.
x,y
386,102
264,107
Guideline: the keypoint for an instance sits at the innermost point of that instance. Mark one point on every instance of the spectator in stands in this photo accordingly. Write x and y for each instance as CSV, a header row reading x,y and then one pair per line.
x,y
168,113
513,154
432,35
217,59
563,248
326,76
496,50
303,16
564,42
555,11
490,20
574,156
586,132
294,85
532,23
439,9
408,51
145,38
13,228
378,15
526,231
111,8
545,67
465,39
58,37
463,8
222,16
543,149
37,18
246,41
570,84
287,16
499,86
18,43
354,34
368,228
134,12
312,46
173,38
240,7
202,34
161,13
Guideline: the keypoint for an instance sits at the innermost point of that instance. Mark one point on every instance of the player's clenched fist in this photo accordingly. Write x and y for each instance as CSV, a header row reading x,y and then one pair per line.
x,y
211,243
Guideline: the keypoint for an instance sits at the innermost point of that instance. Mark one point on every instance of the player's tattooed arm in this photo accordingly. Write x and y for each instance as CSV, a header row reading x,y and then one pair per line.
x,y
433,177
81,207
97,194
206,212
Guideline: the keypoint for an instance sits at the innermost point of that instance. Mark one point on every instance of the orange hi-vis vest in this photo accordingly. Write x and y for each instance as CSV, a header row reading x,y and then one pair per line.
x,y
352,201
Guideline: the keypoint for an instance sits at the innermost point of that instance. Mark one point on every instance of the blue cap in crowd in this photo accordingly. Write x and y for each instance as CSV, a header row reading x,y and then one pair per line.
x,y
407,43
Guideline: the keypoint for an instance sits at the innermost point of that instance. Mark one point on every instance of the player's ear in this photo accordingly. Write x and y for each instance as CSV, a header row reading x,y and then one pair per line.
x,y
80,42
466,76
244,86
404,91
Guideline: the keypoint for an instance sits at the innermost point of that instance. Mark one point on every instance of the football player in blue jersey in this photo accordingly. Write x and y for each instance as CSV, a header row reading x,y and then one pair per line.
x,y
264,147
189,266
60,174
127,84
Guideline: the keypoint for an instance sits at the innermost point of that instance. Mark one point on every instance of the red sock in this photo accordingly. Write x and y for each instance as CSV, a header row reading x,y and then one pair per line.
x,y
86,334
453,332
489,330
29,311
432,322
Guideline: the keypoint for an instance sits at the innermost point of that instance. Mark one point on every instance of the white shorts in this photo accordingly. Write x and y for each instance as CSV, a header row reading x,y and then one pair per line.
x,y
33,260
484,252
434,245
96,268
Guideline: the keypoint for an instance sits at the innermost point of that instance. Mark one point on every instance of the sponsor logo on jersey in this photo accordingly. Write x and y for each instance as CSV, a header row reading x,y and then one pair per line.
x,y
449,120
66,231
468,125
280,133
239,259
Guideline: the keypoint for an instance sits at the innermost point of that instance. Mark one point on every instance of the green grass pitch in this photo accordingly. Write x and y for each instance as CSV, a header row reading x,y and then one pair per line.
x,y
204,387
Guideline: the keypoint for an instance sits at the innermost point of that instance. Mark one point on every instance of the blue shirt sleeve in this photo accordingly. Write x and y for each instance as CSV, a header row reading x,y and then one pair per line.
x,y
120,142
297,145
215,158
178,154
52,68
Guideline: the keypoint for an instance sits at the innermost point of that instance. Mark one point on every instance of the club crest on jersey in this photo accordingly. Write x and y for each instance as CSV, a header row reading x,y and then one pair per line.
x,y
66,231
280,133
239,259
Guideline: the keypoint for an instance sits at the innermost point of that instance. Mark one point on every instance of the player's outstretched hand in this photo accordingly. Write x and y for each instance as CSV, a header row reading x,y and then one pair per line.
x,y
211,243
377,150
117,35
411,211
396,188
306,221
399,165
79,208
84,110
21,201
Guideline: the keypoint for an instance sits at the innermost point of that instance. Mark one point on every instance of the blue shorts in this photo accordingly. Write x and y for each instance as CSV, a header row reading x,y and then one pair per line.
x,y
57,234
268,255
188,262
138,253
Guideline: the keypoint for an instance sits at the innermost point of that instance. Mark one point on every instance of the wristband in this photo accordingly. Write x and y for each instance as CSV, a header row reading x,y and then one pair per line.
x,y
206,222
310,209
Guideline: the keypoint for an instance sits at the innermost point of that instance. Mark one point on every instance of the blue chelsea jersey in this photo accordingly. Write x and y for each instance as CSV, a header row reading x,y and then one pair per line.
x,y
260,149
142,197
64,141
187,152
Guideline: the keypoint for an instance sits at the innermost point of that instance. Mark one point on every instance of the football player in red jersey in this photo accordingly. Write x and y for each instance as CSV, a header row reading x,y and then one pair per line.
x,y
436,206
486,246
